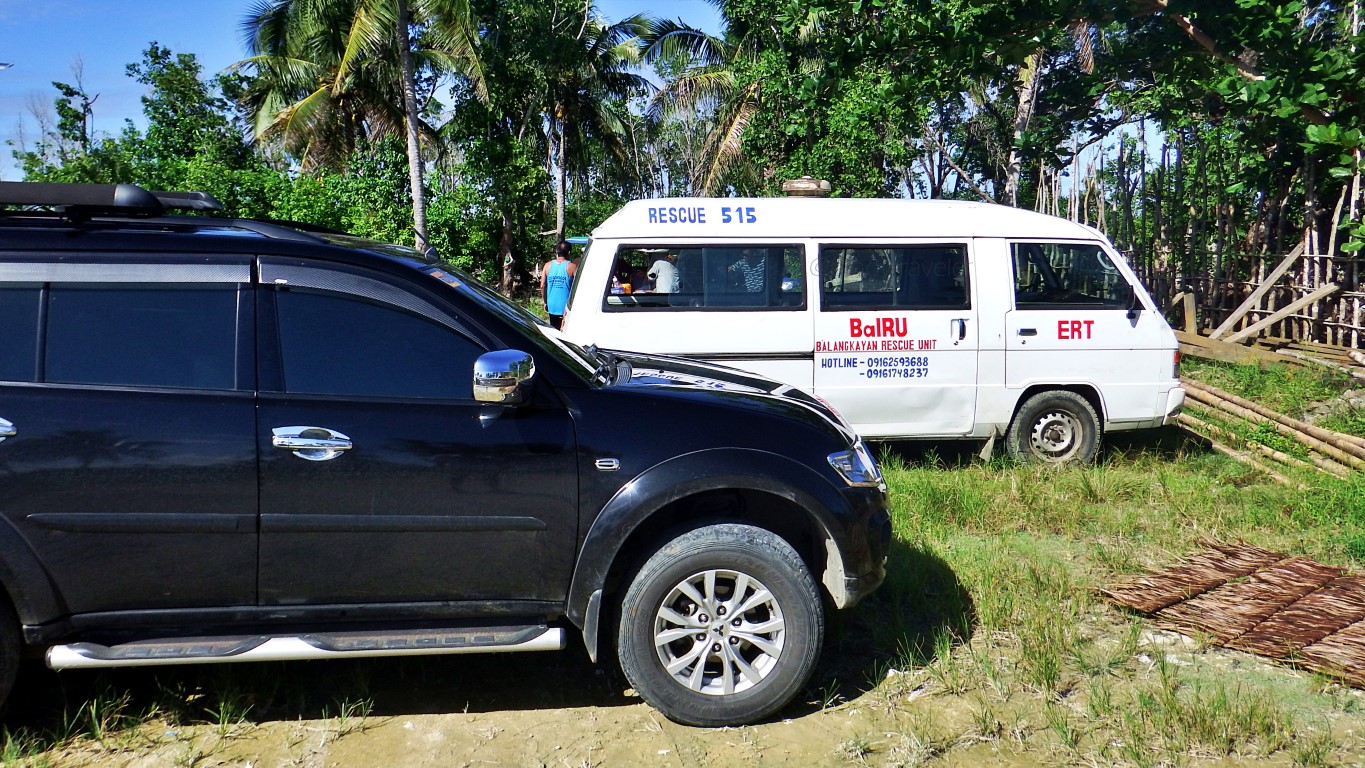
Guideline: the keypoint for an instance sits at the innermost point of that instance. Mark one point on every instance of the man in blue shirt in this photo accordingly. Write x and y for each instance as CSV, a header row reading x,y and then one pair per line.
x,y
555,279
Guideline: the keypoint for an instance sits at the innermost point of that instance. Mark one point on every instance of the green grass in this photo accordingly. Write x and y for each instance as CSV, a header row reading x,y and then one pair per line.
x,y
1016,628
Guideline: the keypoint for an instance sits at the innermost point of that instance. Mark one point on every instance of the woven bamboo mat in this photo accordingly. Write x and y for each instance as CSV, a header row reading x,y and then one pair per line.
x,y
1251,599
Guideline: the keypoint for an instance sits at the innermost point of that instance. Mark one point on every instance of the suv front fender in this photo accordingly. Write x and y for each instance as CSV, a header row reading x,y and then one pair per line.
x,y
828,511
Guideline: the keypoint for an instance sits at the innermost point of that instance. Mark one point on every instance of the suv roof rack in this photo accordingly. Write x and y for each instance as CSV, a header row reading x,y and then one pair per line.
x,y
84,200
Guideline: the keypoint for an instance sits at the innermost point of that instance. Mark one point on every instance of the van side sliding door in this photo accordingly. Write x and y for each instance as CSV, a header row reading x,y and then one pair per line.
x,y
896,337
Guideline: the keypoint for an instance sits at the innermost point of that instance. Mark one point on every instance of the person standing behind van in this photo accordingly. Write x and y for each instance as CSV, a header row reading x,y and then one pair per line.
x,y
555,279
664,274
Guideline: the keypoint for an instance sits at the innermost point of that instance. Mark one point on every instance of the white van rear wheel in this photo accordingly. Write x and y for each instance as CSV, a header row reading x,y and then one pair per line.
x,y
1056,427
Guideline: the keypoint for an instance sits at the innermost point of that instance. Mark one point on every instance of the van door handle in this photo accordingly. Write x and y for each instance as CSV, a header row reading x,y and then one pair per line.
x,y
310,443
961,323
6,430
1028,331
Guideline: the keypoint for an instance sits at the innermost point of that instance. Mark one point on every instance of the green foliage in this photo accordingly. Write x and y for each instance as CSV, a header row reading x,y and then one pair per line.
x,y
191,141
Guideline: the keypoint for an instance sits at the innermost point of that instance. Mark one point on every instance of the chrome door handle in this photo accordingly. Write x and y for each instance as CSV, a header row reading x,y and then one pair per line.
x,y
6,430
310,443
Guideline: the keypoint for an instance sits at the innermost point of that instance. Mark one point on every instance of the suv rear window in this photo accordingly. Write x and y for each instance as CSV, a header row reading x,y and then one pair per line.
x,y
19,332
161,335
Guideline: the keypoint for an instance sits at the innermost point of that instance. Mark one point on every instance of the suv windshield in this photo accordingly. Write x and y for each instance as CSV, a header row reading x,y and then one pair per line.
x,y
590,363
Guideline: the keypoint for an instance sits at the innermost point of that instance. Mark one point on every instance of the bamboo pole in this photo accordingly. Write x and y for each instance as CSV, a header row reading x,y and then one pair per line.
x,y
1318,461
1349,371
1282,313
1349,443
1329,465
1249,461
1255,297
1190,421
1308,440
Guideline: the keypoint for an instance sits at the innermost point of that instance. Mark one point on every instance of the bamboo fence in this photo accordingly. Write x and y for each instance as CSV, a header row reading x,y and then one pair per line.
x,y
1338,319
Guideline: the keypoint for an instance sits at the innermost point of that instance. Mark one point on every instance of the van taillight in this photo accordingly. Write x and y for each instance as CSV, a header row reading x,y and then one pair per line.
x,y
1175,373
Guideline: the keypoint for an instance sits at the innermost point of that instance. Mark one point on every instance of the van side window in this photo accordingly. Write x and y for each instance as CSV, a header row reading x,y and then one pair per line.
x,y
894,277
723,277
1067,275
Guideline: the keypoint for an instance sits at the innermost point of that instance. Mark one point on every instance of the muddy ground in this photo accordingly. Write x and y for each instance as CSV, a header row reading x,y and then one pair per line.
x,y
555,710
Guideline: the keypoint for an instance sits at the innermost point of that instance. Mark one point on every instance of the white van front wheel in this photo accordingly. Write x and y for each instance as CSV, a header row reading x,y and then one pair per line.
x,y
1056,427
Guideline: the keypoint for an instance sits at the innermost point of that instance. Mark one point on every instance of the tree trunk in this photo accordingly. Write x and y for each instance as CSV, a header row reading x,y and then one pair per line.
x,y
561,176
1028,94
509,264
419,200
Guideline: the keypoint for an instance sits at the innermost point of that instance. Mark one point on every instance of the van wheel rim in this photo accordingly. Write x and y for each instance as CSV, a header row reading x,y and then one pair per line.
x,y
1055,436
719,632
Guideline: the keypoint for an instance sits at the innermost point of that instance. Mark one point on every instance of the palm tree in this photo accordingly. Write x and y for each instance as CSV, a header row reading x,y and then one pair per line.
x,y
707,85
332,72
586,98
717,81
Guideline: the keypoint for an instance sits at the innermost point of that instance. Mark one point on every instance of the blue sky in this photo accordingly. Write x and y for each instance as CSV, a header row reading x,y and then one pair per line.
x,y
45,39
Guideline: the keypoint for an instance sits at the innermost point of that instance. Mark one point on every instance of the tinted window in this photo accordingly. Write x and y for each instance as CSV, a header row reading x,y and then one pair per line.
x,y
18,332
142,335
343,345
766,277
1063,275
901,277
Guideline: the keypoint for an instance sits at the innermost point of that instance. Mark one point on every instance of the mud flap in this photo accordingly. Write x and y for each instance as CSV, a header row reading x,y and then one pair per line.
x,y
989,447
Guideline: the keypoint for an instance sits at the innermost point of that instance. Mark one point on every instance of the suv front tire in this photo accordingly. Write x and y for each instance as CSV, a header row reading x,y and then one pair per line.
x,y
721,626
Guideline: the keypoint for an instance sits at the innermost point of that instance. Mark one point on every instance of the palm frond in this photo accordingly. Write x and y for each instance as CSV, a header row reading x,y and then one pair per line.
x,y
725,147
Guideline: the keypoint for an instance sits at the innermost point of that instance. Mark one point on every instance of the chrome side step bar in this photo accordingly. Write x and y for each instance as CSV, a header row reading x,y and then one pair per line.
x,y
322,645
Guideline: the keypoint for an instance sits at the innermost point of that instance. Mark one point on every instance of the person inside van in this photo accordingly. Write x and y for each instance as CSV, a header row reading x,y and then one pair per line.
x,y
664,274
750,270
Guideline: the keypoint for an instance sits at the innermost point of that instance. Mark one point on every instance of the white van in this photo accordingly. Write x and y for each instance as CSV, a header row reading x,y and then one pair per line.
x,y
913,318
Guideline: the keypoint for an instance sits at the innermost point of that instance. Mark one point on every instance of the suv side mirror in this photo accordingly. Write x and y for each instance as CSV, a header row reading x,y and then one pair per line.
x,y
503,376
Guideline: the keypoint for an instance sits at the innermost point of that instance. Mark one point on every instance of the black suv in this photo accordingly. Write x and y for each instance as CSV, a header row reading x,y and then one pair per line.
x,y
236,440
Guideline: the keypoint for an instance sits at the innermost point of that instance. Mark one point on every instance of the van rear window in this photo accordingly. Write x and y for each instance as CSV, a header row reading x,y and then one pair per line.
x,y
722,277
894,277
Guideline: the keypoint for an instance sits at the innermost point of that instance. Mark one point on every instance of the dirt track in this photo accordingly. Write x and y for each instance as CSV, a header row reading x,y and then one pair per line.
x,y
514,710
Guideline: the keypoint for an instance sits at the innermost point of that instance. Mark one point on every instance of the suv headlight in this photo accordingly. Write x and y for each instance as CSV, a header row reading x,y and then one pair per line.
x,y
857,467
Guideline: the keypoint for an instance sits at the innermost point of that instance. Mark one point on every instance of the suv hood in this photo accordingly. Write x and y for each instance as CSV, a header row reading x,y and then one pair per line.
x,y
686,375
